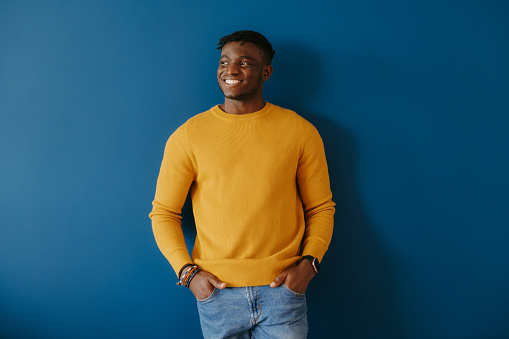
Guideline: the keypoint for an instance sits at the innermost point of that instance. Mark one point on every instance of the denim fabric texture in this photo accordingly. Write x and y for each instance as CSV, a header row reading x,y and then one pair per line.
x,y
254,312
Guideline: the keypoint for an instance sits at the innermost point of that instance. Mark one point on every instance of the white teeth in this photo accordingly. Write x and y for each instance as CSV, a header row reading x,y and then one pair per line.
x,y
231,82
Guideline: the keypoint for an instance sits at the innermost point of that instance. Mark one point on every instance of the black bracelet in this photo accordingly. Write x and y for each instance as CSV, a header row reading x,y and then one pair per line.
x,y
314,262
191,277
183,267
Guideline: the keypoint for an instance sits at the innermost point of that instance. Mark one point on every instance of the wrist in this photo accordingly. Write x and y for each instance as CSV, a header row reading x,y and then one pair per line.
x,y
315,264
187,275
184,270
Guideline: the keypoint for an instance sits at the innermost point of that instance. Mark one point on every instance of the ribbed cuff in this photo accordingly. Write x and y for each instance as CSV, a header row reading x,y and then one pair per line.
x,y
315,248
178,260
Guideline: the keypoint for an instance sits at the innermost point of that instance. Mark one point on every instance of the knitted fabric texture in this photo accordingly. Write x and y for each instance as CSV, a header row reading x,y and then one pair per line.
x,y
260,194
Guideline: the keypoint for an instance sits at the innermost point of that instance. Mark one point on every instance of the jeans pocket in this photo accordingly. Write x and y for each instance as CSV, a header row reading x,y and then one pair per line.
x,y
207,298
296,294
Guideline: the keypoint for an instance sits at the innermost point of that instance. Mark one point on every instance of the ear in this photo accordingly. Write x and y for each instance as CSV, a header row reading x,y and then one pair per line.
x,y
267,72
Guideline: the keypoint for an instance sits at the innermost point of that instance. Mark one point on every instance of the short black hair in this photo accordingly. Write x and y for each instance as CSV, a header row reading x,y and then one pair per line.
x,y
253,37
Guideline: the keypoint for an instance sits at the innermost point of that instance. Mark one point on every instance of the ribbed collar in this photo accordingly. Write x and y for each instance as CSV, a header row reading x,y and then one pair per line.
x,y
242,117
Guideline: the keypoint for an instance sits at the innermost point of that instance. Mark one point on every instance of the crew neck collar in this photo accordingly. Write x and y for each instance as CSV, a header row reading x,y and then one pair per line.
x,y
242,117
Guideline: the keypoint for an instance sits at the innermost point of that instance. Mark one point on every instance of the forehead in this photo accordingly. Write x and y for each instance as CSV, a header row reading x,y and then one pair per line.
x,y
235,50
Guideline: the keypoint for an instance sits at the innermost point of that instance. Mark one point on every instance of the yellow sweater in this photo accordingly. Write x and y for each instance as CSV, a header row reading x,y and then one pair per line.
x,y
260,193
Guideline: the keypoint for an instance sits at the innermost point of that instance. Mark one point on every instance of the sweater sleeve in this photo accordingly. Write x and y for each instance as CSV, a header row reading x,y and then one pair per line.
x,y
314,188
175,178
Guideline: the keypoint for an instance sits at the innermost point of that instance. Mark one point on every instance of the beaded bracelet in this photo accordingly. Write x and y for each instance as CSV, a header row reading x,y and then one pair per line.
x,y
192,276
185,277
189,274
183,268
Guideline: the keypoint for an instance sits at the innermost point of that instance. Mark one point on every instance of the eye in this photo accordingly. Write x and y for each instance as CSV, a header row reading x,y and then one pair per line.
x,y
222,62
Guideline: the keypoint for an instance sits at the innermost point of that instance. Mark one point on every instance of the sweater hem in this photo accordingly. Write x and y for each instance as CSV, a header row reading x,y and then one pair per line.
x,y
247,272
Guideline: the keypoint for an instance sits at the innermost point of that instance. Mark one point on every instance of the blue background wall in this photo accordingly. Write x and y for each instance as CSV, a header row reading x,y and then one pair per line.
x,y
411,99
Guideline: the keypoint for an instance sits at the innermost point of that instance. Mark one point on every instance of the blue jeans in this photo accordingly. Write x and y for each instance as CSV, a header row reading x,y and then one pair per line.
x,y
254,312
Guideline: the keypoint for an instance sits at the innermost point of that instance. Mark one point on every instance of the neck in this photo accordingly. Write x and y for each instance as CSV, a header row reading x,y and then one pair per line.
x,y
242,107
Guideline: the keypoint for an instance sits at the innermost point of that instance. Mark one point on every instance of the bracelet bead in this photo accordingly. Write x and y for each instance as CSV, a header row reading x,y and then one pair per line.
x,y
184,279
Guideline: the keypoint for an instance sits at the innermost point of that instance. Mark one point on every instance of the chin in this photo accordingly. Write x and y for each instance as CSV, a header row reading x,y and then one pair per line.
x,y
233,97
230,95
239,96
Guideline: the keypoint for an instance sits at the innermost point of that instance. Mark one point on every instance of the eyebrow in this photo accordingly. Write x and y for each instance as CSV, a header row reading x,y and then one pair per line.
x,y
241,57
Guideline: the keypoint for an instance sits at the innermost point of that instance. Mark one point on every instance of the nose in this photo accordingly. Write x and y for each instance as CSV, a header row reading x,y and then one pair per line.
x,y
232,68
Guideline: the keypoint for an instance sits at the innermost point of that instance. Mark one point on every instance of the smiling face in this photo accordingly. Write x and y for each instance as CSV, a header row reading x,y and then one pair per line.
x,y
242,71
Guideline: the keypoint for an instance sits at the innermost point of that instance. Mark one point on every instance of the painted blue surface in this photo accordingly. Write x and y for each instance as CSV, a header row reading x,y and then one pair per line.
x,y
411,99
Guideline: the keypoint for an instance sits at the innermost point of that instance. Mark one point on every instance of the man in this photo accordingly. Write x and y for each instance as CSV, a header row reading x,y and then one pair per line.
x,y
261,201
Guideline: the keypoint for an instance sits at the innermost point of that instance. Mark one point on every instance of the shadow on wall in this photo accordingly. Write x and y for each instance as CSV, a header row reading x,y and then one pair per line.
x,y
354,295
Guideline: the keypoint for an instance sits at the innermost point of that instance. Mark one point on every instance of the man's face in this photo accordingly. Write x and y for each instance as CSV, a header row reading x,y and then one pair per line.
x,y
242,71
